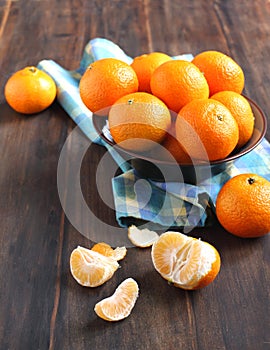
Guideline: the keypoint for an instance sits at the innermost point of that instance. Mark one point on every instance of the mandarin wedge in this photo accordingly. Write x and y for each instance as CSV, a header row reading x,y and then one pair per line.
x,y
105,249
119,305
184,261
90,268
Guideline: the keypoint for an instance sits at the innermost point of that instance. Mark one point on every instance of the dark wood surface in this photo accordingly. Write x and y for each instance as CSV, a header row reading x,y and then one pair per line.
x,y
41,305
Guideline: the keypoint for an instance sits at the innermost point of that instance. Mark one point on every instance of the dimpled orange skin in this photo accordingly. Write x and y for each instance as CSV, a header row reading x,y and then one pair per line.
x,y
178,82
139,116
30,90
174,147
206,123
145,65
241,111
104,82
243,206
221,71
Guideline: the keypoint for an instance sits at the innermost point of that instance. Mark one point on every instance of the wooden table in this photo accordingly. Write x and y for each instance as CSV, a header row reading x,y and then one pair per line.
x,y
41,305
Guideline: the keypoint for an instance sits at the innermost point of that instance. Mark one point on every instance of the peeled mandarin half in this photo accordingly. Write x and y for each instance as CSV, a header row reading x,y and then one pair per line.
x,y
90,268
184,261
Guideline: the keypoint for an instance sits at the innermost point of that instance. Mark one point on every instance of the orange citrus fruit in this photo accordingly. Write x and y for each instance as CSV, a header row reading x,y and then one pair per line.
x,y
119,305
104,82
139,121
221,71
175,148
145,66
241,111
207,130
105,249
187,262
90,268
30,90
178,82
243,206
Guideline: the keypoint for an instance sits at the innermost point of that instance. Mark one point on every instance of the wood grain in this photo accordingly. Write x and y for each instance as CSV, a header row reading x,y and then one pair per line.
x,y
42,306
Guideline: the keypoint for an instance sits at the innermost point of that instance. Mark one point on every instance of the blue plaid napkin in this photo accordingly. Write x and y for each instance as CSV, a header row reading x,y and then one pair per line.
x,y
158,204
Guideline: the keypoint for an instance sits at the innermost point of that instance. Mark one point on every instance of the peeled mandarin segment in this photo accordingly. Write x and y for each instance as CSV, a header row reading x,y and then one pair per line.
x,y
142,238
198,267
166,250
119,305
186,262
105,249
120,253
91,269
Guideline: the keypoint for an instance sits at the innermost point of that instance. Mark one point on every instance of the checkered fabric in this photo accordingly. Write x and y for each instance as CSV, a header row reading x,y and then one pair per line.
x,y
159,204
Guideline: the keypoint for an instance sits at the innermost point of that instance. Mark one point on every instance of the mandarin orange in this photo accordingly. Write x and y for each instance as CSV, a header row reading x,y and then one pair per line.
x,y
187,262
174,147
120,304
30,90
90,268
221,71
105,249
139,121
178,82
207,130
145,66
104,82
241,110
243,205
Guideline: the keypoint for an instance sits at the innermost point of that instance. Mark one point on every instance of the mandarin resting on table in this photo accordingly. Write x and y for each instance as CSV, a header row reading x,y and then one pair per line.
x,y
243,206
30,90
105,249
241,110
139,121
145,66
221,71
184,261
178,82
104,82
120,304
90,268
206,130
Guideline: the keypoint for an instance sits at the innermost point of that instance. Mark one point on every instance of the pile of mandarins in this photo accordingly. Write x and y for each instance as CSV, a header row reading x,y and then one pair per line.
x,y
194,109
